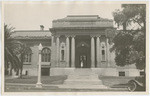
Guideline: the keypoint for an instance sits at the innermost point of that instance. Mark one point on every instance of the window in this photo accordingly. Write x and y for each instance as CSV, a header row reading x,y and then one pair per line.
x,y
46,55
103,50
103,55
27,57
26,73
121,73
141,73
45,71
62,51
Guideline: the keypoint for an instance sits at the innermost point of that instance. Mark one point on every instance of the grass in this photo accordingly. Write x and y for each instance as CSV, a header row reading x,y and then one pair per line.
x,y
33,80
14,88
115,81
107,80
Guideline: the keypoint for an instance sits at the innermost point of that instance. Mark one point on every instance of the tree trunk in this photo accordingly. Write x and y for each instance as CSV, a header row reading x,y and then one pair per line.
x,y
10,72
21,68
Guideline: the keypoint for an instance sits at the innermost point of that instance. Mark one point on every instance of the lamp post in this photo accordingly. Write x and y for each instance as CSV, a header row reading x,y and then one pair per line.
x,y
39,84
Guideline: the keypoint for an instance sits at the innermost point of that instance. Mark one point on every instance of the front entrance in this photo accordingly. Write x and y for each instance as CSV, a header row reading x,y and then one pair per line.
x,y
83,61
83,53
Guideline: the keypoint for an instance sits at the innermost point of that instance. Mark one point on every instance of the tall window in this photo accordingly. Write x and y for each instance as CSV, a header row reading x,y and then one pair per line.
x,y
62,51
62,55
46,55
27,57
103,51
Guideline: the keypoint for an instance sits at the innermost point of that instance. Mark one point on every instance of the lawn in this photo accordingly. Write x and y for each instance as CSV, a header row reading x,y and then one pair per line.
x,y
27,88
14,84
114,81
33,80
107,80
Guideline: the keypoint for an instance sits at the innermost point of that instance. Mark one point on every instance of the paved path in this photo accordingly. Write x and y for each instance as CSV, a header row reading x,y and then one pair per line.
x,y
17,87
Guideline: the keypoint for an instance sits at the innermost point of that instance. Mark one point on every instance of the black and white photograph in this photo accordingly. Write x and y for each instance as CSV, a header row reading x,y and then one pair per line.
x,y
75,47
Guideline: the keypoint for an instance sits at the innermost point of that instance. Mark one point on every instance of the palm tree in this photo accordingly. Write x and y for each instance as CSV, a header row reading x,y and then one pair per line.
x,y
23,51
11,49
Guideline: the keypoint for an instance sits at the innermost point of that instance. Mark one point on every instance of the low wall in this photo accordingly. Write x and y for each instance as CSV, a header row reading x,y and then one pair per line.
x,y
61,71
99,71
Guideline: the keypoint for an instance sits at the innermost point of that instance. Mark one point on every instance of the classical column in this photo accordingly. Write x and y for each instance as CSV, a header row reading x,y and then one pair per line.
x,y
67,50
57,54
108,52
73,51
92,52
98,50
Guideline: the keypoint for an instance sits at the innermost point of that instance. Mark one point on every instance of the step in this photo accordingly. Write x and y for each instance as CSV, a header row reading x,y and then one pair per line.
x,y
82,71
83,86
83,82
83,77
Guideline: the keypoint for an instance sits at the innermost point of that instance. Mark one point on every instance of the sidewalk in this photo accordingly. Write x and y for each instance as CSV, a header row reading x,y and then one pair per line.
x,y
11,87
51,83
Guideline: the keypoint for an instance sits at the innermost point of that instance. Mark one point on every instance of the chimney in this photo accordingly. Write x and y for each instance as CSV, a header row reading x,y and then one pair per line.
x,y
41,27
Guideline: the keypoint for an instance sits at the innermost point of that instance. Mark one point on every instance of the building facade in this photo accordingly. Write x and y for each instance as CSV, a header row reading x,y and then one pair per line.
x,y
76,41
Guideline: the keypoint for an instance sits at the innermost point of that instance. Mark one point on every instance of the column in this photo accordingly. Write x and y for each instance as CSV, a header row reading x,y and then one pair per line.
x,y
67,51
73,51
108,52
92,52
57,54
98,51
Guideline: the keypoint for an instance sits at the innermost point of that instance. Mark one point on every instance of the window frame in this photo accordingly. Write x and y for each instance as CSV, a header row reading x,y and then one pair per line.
x,y
46,59
103,48
62,47
28,57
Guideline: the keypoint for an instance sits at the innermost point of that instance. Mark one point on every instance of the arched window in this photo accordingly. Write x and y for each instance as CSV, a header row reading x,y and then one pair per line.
x,y
46,55
103,51
27,57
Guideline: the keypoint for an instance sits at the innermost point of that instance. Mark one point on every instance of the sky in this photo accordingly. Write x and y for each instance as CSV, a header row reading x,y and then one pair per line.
x,y
29,16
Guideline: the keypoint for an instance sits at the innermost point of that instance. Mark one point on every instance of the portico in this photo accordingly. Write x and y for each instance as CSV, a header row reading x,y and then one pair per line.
x,y
84,39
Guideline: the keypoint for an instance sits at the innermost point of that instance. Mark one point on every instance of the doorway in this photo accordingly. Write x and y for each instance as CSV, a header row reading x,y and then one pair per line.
x,y
83,61
82,55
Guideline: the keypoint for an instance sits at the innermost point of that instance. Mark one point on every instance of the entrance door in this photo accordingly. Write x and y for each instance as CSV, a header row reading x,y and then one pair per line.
x,y
82,55
83,61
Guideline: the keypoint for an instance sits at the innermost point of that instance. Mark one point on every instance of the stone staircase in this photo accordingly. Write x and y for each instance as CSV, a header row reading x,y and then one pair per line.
x,y
83,78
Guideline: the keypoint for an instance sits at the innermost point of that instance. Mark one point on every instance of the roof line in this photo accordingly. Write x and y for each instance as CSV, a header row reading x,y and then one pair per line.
x,y
82,15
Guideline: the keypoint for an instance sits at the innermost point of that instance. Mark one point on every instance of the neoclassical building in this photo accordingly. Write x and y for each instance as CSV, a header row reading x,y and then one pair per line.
x,y
73,42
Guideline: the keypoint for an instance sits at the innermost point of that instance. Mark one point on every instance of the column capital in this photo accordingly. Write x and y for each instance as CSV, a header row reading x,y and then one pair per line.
x,y
92,35
98,35
57,36
73,36
67,36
